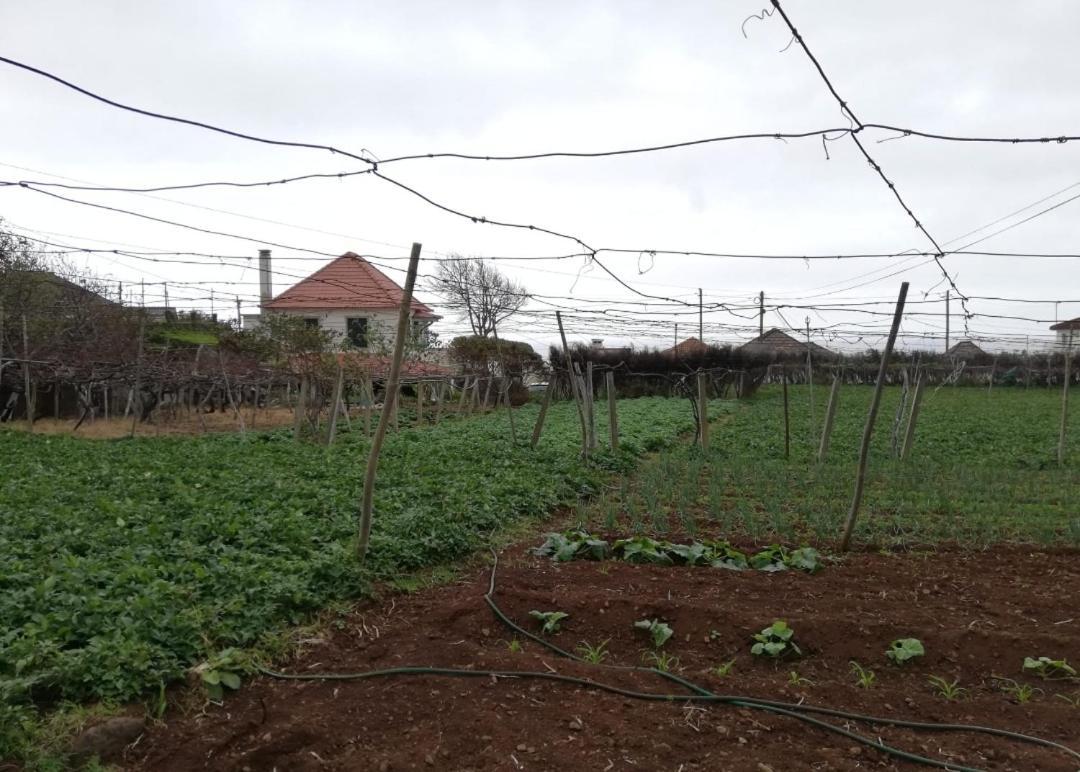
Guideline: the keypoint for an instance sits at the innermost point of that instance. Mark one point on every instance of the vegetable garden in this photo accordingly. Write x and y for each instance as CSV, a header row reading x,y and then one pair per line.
x,y
692,613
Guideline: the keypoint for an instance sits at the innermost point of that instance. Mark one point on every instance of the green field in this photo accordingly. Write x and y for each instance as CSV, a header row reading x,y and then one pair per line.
x,y
124,562
983,468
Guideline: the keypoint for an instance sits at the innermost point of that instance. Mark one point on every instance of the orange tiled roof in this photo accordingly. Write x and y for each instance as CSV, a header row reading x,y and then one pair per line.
x,y
349,281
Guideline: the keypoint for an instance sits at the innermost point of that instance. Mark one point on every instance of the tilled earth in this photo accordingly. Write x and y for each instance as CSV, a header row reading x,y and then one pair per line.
x,y
978,614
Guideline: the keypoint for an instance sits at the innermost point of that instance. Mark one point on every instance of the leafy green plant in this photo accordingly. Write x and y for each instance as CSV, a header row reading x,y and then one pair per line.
x,y
658,631
1020,693
948,690
904,650
549,620
864,677
775,641
721,670
794,679
1047,668
778,558
661,660
575,543
593,654
222,671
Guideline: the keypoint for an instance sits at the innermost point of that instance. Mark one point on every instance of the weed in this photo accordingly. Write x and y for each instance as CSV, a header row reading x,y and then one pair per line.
x,y
904,650
1020,693
593,654
514,646
1072,700
723,669
775,641
549,620
794,679
658,631
661,660
948,690
864,677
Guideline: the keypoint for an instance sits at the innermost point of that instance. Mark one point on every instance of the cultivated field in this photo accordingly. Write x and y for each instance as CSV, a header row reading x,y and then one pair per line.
x,y
208,548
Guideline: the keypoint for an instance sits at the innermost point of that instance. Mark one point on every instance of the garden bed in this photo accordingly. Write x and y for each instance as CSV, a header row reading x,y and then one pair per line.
x,y
979,614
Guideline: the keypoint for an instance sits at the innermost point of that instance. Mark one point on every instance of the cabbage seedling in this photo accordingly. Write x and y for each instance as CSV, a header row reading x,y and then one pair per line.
x,y
903,649
775,641
549,620
658,631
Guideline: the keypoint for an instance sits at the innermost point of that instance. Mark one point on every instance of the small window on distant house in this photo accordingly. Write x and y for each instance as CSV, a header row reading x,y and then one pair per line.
x,y
311,321
357,329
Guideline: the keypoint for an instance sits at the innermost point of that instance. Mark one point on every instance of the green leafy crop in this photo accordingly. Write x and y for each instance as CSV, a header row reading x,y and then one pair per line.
x,y
658,631
775,641
549,620
1044,667
904,650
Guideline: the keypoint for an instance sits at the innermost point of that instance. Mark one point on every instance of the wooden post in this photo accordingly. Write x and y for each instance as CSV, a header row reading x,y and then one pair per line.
x,y
913,417
368,496
868,430
464,394
830,415
229,394
335,405
578,397
301,406
703,410
419,403
1065,401
506,382
138,407
440,397
368,389
543,411
993,371
810,378
613,410
591,402
487,393
787,416
28,393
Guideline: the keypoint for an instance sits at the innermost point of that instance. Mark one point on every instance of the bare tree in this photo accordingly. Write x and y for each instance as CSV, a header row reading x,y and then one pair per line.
x,y
478,291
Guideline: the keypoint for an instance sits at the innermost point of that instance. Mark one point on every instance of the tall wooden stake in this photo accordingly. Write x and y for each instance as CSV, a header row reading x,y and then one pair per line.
x,y
703,410
419,403
331,424
464,394
578,396
301,407
868,431
787,417
913,417
613,410
830,416
543,411
590,400
368,496
1065,402
506,383
138,408
229,394
28,394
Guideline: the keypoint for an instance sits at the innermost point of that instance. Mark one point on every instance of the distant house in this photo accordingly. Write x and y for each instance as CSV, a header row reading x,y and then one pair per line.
x,y
966,351
777,343
349,296
690,347
596,346
1068,333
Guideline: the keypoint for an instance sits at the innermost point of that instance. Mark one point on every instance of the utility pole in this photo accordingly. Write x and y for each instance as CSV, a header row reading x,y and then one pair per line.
x,y
700,317
211,303
120,294
676,333
761,314
947,295
142,293
239,318
166,301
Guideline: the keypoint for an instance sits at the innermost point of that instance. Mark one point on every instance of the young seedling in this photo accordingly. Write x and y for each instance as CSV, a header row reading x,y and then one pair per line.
x,y
794,679
593,654
549,620
775,641
1072,699
948,690
1047,668
864,677
904,650
723,669
1020,693
659,631
514,645
661,660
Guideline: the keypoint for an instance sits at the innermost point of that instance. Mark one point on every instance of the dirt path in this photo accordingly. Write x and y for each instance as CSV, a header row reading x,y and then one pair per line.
x,y
978,614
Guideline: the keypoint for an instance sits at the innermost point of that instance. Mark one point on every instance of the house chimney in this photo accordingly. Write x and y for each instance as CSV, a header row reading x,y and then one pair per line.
x,y
266,287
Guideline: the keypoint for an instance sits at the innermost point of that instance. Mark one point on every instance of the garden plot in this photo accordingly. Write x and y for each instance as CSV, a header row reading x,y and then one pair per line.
x,y
978,616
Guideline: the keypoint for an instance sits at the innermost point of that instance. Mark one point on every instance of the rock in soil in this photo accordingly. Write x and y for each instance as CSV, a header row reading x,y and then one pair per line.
x,y
107,739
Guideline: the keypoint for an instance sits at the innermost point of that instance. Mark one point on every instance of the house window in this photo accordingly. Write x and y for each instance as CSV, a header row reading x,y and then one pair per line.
x,y
419,331
357,330
311,322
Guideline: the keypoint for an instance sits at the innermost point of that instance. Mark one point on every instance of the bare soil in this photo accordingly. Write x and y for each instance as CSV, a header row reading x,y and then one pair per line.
x,y
978,614
163,423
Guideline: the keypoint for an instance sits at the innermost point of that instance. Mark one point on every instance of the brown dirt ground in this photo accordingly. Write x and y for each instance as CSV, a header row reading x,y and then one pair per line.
x,y
978,613
161,424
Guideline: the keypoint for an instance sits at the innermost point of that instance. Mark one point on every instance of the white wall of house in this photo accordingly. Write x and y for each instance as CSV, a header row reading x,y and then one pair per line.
x,y
1068,339
381,326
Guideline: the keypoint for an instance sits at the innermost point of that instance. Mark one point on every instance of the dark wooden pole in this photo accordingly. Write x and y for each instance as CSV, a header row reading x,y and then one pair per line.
x,y
539,428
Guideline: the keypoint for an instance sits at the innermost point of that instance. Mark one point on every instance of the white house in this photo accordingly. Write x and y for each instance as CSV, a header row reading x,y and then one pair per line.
x,y
349,296
1068,333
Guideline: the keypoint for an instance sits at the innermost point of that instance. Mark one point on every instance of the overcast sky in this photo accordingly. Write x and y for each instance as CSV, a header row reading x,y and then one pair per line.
x,y
522,77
